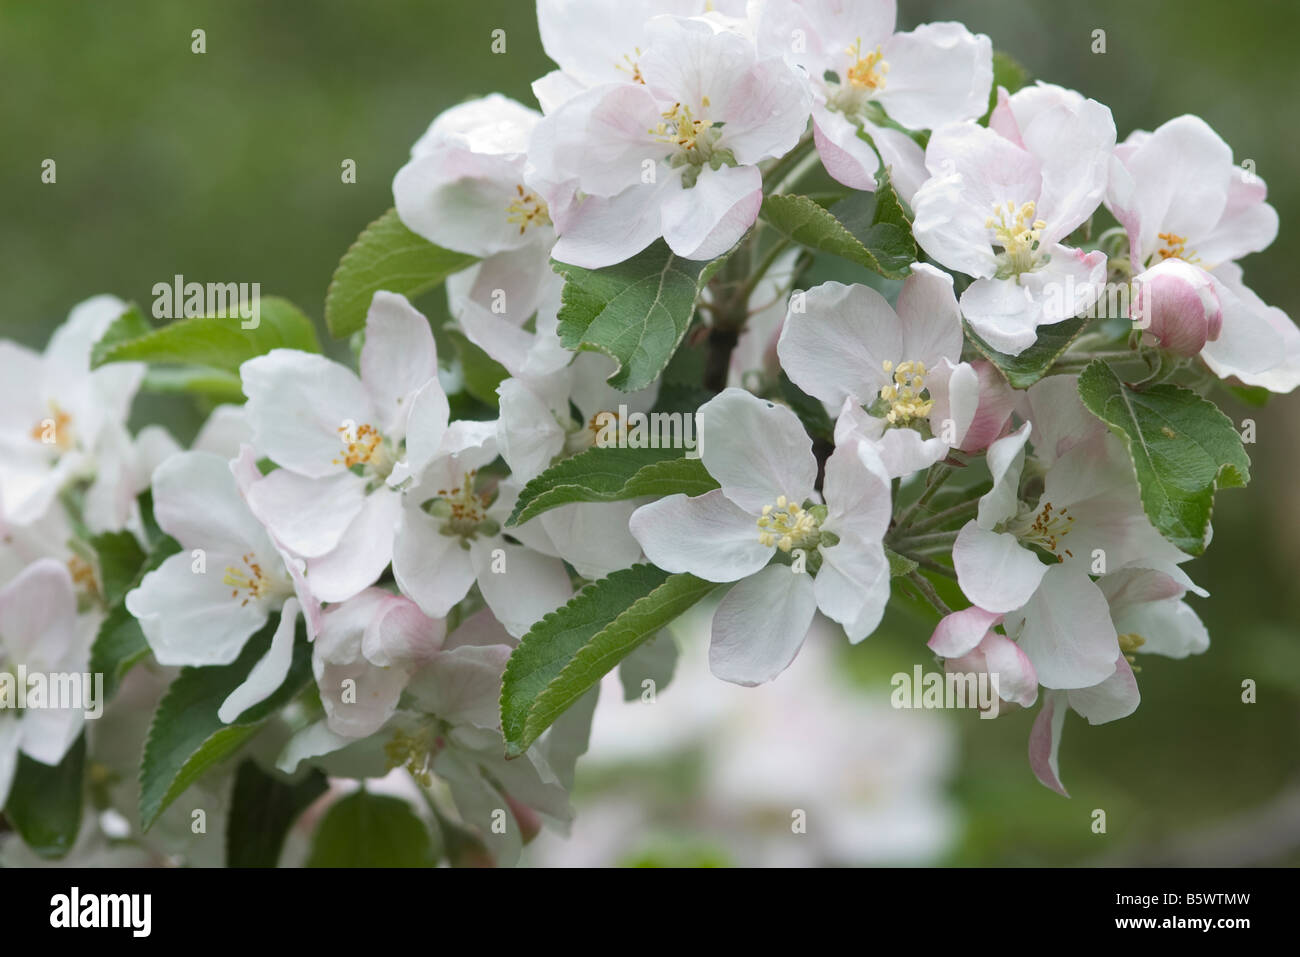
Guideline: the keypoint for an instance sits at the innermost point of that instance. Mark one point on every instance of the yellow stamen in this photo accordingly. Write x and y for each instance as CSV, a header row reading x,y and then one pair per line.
x,y
55,430
906,398
680,127
361,447
1175,247
866,72
527,209
252,581
1017,232
786,525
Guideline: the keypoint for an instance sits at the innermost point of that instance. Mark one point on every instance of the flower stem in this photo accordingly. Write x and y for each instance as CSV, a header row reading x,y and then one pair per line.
x,y
922,585
781,175
934,481
923,541
959,510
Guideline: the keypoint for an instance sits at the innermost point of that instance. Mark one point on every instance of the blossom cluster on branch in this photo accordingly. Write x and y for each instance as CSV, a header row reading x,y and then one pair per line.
x,y
770,304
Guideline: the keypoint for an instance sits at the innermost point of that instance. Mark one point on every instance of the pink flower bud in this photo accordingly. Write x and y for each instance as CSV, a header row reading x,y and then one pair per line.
x,y
1176,303
996,401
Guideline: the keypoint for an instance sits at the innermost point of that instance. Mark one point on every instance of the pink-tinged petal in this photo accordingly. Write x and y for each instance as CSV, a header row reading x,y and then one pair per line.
x,y
358,697
1045,742
398,359
930,317
703,222
1116,697
1002,120
463,686
431,568
938,73
1061,420
1258,344
598,139
959,632
363,553
760,626
1177,304
308,515
994,570
300,407
836,347
1067,632
270,670
708,536
996,402
756,449
1006,661
1248,225
600,231
973,171
400,634
1073,138
765,112
848,158
518,584
1178,182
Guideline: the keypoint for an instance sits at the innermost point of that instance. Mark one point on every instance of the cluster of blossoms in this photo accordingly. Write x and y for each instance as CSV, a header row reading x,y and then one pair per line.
x,y
442,553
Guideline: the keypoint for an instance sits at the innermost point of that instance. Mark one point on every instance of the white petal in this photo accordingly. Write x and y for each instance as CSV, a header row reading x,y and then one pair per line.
x,y
308,515
1067,631
930,317
398,359
938,73
1006,460
197,502
1004,313
1114,698
708,536
852,586
269,672
837,347
518,584
362,554
703,222
756,449
593,537
994,570
299,406
760,625
430,568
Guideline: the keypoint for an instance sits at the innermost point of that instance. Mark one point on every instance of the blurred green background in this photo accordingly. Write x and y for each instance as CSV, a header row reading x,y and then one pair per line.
x,y
226,166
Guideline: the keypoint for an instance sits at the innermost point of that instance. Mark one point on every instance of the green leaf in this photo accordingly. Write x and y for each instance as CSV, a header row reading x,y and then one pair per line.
x,y
187,738
385,256
870,229
900,564
636,311
130,325
812,413
120,643
1006,72
1183,449
120,557
217,342
44,802
215,384
571,649
609,475
482,373
1024,370
371,830
262,808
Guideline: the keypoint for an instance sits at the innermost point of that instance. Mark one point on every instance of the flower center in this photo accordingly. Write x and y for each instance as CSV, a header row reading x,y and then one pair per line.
x,y
694,141
364,449
250,581
527,209
55,430
787,525
83,575
1045,528
1129,643
415,752
1017,232
1175,247
866,72
464,512
906,400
